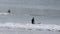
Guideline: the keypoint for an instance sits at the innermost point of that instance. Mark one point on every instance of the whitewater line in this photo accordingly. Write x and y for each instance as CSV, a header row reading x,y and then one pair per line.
x,y
31,26
4,13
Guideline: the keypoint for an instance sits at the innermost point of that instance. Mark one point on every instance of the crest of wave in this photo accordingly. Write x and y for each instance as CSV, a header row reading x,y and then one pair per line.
x,y
31,26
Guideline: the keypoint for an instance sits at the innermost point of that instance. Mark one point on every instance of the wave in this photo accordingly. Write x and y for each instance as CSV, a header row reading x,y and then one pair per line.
x,y
4,13
50,27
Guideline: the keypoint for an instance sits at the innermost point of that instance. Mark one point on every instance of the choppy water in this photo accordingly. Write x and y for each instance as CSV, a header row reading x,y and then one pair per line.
x,y
26,18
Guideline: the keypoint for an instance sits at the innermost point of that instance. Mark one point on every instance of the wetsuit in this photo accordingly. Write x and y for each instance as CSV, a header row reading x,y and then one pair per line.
x,y
8,11
33,20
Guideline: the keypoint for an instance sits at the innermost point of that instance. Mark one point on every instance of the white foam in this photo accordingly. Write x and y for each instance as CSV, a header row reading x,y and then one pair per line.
x,y
4,13
31,26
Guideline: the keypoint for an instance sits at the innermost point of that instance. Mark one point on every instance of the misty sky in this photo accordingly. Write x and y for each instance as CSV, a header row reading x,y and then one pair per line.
x,y
32,6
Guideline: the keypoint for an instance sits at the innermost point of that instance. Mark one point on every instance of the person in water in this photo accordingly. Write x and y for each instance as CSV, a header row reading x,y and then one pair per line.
x,y
9,11
32,20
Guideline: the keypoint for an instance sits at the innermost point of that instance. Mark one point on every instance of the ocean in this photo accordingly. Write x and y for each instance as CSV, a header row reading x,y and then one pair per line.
x,y
46,14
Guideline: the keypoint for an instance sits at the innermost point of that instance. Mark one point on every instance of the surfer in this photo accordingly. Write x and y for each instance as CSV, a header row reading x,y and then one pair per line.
x,y
9,11
32,20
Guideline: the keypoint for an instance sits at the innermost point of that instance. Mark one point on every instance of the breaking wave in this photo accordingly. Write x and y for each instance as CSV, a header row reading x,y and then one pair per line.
x,y
49,27
4,13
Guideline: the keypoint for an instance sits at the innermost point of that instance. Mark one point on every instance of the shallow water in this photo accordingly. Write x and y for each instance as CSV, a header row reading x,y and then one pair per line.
x,y
22,31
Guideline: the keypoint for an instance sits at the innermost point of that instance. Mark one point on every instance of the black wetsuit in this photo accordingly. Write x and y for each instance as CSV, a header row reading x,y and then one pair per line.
x,y
33,20
8,11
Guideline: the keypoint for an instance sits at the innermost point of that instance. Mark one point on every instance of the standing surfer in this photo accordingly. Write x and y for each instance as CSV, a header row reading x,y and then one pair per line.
x,y
32,20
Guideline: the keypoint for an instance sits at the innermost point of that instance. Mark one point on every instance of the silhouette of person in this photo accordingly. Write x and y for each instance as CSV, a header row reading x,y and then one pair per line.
x,y
9,11
32,20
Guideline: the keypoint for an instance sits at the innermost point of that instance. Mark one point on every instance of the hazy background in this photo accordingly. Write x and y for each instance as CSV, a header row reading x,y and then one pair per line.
x,y
36,7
